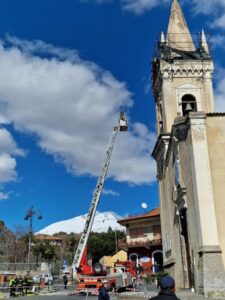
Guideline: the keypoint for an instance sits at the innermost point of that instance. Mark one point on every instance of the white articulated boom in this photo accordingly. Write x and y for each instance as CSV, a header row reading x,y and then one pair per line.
x,y
122,126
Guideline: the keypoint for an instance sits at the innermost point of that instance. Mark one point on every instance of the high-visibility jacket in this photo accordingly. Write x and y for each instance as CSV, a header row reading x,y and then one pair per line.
x,y
12,282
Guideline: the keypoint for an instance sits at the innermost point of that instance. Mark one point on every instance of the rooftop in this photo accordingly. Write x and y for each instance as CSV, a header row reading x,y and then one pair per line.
x,y
152,213
46,237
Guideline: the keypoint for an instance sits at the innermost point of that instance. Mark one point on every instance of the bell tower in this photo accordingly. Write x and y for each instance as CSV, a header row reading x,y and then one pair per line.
x,y
182,72
190,156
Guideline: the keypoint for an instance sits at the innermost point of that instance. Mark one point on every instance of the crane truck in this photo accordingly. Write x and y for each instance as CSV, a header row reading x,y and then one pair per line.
x,y
91,277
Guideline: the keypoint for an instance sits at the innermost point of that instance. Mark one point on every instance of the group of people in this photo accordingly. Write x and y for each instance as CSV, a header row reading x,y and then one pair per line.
x,y
23,284
20,285
166,284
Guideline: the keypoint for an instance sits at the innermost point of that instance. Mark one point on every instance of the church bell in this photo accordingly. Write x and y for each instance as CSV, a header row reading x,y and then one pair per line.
x,y
188,108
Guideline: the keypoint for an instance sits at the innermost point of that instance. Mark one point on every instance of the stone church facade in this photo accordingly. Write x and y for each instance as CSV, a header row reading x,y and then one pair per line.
x,y
190,156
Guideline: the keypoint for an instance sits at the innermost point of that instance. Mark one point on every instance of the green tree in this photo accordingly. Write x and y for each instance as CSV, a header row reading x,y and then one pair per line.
x,y
49,252
70,242
37,250
104,243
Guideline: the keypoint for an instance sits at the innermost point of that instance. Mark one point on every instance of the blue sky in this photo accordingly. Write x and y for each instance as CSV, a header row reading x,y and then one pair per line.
x,y
67,67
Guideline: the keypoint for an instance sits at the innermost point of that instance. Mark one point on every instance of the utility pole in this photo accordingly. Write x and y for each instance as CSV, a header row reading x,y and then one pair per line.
x,y
31,212
116,241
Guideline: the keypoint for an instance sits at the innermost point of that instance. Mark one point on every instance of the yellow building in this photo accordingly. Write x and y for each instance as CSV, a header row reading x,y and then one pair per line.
x,y
108,261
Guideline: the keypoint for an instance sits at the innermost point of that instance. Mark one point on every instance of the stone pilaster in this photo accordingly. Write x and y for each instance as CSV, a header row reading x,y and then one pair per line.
x,y
211,274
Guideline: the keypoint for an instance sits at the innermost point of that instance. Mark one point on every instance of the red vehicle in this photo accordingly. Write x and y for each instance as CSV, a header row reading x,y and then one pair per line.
x,y
90,285
125,267
87,269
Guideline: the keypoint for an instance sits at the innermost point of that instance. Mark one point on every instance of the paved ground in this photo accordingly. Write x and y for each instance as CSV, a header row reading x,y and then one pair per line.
x,y
58,297
145,293
60,293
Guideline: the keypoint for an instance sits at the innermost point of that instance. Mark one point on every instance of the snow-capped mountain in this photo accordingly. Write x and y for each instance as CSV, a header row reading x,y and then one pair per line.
x,y
102,222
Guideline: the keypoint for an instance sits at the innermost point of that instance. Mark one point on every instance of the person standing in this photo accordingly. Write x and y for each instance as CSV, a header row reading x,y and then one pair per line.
x,y
29,283
12,286
65,281
167,289
20,285
25,285
104,291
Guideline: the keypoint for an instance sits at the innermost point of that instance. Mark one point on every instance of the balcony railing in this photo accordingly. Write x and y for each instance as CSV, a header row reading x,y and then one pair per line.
x,y
147,243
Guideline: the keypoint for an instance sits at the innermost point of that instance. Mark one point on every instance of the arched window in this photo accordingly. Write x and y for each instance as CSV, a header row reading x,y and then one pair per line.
x,y
188,104
134,258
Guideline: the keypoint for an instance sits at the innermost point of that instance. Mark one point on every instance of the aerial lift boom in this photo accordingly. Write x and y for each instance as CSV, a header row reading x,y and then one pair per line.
x,y
82,246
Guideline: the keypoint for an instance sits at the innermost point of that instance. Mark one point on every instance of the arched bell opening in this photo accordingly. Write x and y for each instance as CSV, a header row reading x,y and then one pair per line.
x,y
188,104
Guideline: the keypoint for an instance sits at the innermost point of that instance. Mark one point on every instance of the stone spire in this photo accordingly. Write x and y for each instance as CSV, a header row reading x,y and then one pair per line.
x,y
162,38
203,42
178,34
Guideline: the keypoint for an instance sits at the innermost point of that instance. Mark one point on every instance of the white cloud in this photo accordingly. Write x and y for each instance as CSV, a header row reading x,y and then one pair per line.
x,y
136,6
220,90
110,192
140,6
214,8
40,47
217,40
71,106
220,22
8,152
97,1
4,196
206,7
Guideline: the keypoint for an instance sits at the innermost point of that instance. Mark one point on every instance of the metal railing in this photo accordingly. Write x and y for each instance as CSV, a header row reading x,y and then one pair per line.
x,y
140,243
12,267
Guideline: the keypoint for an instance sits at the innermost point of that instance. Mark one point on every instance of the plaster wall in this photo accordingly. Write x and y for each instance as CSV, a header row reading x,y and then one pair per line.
x,y
170,225
146,224
192,224
216,143
147,227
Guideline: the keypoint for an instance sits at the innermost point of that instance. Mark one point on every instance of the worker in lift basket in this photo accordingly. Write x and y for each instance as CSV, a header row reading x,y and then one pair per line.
x,y
167,289
104,291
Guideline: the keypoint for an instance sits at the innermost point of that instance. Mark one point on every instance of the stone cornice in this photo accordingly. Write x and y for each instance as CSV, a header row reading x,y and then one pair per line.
x,y
216,114
169,262
186,68
160,145
210,249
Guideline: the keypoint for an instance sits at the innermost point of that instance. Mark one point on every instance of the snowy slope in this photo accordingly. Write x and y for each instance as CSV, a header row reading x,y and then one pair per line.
x,y
102,222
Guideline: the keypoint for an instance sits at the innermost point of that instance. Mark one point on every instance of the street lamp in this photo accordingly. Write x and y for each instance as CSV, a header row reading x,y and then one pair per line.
x,y
31,212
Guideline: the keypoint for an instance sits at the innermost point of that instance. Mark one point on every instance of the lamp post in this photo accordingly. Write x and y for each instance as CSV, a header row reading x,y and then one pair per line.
x,y
31,212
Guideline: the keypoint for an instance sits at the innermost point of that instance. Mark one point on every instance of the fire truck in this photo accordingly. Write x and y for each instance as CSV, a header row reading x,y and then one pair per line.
x,y
90,277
